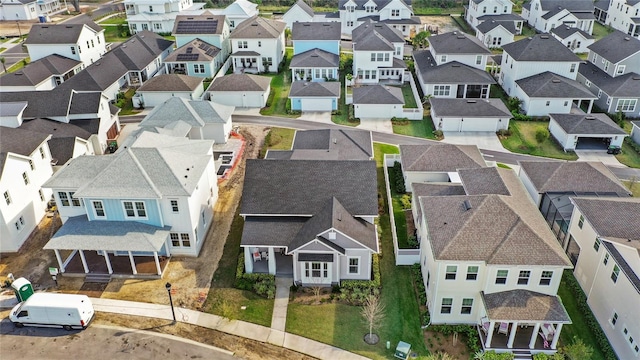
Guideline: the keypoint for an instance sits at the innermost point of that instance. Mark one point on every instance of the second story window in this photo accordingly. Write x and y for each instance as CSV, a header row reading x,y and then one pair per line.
x,y
150,8
98,208
615,273
581,222
74,201
395,12
573,68
31,165
501,277
242,45
545,278
596,244
451,272
472,272
7,197
606,259
134,209
174,206
443,58
478,59
523,277
25,177
64,199
73,50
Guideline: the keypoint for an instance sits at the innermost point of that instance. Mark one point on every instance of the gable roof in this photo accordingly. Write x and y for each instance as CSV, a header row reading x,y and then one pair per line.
x,y
578,176
551,85
555,6
196,113
595,123
315,58
616,46
328,144
257,27
56,102
377,94
615,219
375,36
380,3
470,107
315,30
172,82
487,26
205,23
63,33
195,50
483,181
440,157
302,187
39,70
315,89
18,141
240,82
626,85
524,305
453,72
564,32
627,270
83,19
540,47
63,136
304,7
457,42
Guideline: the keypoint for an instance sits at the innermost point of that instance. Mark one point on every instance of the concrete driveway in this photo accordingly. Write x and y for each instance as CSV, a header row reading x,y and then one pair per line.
x,y
380,125
598,155
484,140
317,116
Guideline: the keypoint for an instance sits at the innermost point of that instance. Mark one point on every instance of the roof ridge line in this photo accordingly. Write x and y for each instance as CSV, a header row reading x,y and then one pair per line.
x,y
144,172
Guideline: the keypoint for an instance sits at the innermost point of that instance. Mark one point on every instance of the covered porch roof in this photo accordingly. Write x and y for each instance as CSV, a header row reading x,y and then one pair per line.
x,y
524,306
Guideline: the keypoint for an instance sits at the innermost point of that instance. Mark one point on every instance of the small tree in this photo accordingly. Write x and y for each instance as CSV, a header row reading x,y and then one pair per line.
x,y
373,313
3,61
542,135
577,350
421,39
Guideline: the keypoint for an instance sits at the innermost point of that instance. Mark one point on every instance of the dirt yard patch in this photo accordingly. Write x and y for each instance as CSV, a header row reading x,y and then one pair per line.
x,y
438,342
442,23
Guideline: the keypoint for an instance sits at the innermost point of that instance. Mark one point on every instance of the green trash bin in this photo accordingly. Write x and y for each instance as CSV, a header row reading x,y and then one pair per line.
x,y
23,289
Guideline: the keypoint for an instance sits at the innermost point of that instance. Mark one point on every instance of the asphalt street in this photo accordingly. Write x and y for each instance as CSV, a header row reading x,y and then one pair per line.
x,y
14,54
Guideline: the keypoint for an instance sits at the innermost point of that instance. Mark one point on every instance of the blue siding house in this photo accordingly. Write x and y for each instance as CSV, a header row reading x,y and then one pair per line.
x,y
316,51
314,96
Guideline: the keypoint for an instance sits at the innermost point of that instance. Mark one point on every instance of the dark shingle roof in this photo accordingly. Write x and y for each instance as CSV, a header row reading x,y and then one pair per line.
x,y
63,136
315,31
328,144
571,5
258,28
449,73
601,4
587,124
487,26
616,46
551,85
540,47
627,270
457,43
375,36
482,181
565,31
501,17
18,141
315,58
205,23
302,187
627,85
440,157
271,230
172,82
315,89
377,94
557,176
525,305
615,219
240,82
305,7
39,70
56,102
380,3
63,33
195,50
84,19
470,107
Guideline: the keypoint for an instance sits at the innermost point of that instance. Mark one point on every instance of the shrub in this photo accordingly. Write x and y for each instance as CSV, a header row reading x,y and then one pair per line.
x,y
470,332
416,274
504,132
413,241
492,355
406,201
577,350
632,144
398,179
438,134
261,284
520,117
542,135
356,291
272,94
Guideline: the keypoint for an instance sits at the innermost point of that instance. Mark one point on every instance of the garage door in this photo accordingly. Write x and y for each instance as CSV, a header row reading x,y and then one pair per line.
x,y
450,124
479,125
316,104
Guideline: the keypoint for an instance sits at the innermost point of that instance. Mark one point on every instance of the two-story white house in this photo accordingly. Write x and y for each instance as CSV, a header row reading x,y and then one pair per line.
x,y
19,10
541,72
397,14
487,258
624,15
239,11
195,58
607,235
210,29
298,12
316,51
612,73
378,51
25,164
157,15
544,15
575,39
479,11
147,202
42,74
80,39
257,45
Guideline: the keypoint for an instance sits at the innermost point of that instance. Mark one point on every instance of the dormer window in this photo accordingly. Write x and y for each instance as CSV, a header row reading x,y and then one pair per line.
x,y
395,12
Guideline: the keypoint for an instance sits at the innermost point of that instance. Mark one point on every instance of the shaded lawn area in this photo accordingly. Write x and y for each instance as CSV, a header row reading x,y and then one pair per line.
x,y
341,117
398,214
635,187
115,20
418,128
419,9
462,24
279,96
600,31
629,156
128,109
277,139
409,99
579,326
523,141
113,34
342,325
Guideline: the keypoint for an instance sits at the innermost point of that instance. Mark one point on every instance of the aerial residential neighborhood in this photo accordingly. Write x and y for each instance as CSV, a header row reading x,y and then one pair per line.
x,y
352,179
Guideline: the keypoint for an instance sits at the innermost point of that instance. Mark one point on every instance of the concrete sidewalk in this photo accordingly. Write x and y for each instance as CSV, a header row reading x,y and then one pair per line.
x,y
233,327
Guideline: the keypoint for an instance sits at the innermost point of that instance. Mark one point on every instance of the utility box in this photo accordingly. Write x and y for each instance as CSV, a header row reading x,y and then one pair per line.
x,y
22,288
403,350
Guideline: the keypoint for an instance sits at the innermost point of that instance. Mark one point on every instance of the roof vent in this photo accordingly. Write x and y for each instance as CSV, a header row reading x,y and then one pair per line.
x,y
555,81
335,140
471,101
254,24
19,73
326,24
455,65
467,205
590,118
69,27
627,38
306,24
544,36
460,37
455,33
636,78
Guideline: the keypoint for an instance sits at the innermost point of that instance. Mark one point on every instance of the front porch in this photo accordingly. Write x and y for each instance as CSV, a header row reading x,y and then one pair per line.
x,y
81,263
518,337
246,62
314,74
268,260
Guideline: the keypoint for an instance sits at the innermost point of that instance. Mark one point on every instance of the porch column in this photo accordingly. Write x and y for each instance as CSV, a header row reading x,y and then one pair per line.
x,y
59,258
294,257
590,106
534,336
84,262
465,91
106,259
272,261
133,264
556,336
512,335
492,325
248,260
155,257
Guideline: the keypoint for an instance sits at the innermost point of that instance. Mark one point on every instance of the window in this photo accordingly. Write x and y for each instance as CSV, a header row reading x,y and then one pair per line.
x,y
386,57
204,220
626,105
64,199
587,83
395,12
573,68
545,278
156,26
41,152
98,207
41,195
198,68
501,277
523,277
606,259
608,100
472,272
451,272
599,94
581,222
443,58
596,244
33,167
354,267
484,9
232,23
267,61
548,103
73,50
446,306
185,240
150,8
614,319
7,197
134,209
606,65
615,273
243,45
174,206
478,59
350,23
373,56
19,224
595,57
316,269
25,177
566,103
88,44
441,90
74,201
467,305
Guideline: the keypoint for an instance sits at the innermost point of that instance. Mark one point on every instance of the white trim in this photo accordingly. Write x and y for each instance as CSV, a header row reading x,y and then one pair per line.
x,y
349,265
95,212
135,209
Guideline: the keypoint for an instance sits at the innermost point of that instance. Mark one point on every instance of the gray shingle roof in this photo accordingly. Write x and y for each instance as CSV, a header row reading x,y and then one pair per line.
x,y
501,17
56,102
615,219
483,181
457,42
196,113
375,36
525,305
172,82
304,7
435,189
63,136
240,82
413,20
258,28
64,33
18,141
571,5
587,124
315,58
440,157
315,89
470,107
39,71
449,73
302,187
205,23
616,46
270,230
195,50
84,19
489,25
380,3
551,85
315,30
377,94
557,176
540,47
328,144
565,31
601,4
627,85
12,108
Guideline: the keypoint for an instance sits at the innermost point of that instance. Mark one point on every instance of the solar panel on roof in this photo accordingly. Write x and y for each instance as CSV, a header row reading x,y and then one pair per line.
x,y
187,57
197,27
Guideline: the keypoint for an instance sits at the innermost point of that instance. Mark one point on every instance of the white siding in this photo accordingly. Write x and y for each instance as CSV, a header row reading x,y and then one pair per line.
x,y
248,99
377,111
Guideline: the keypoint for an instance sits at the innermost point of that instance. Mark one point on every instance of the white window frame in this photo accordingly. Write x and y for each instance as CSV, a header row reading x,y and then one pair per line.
x,y
41,195
25,178
625,105
546,276
7,197
441,90
505,277
75,202
478,59
615,273
449,272
135,209
449,306
443,58
20,223
469,272
573,67
41,152
95,210
350,266
64,198
464,306
174,209
522,275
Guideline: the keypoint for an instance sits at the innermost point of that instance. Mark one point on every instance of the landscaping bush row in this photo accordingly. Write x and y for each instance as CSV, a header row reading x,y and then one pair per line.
x,y
261,284
418,280
581,298
356,291
397,180
469,331
633,145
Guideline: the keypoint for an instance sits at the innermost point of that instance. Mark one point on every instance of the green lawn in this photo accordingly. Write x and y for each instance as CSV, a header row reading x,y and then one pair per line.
x,y
420,9
280,85
128,109
2,49
523,141
418,128
399,217
579,325
635,188
629,156
527,31
19,65
115,20
113,34
600,31
277,139
409,99
341,117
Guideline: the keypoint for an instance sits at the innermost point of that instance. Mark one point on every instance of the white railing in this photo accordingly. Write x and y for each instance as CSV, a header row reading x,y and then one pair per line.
x,y
413,114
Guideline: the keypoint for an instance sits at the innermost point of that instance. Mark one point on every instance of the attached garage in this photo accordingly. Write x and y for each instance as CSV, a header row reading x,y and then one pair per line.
x,y
377,102
240,90
585,131
458,115
314,96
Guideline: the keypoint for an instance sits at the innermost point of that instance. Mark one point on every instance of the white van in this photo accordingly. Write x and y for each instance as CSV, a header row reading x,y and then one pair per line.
x,y
53,310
